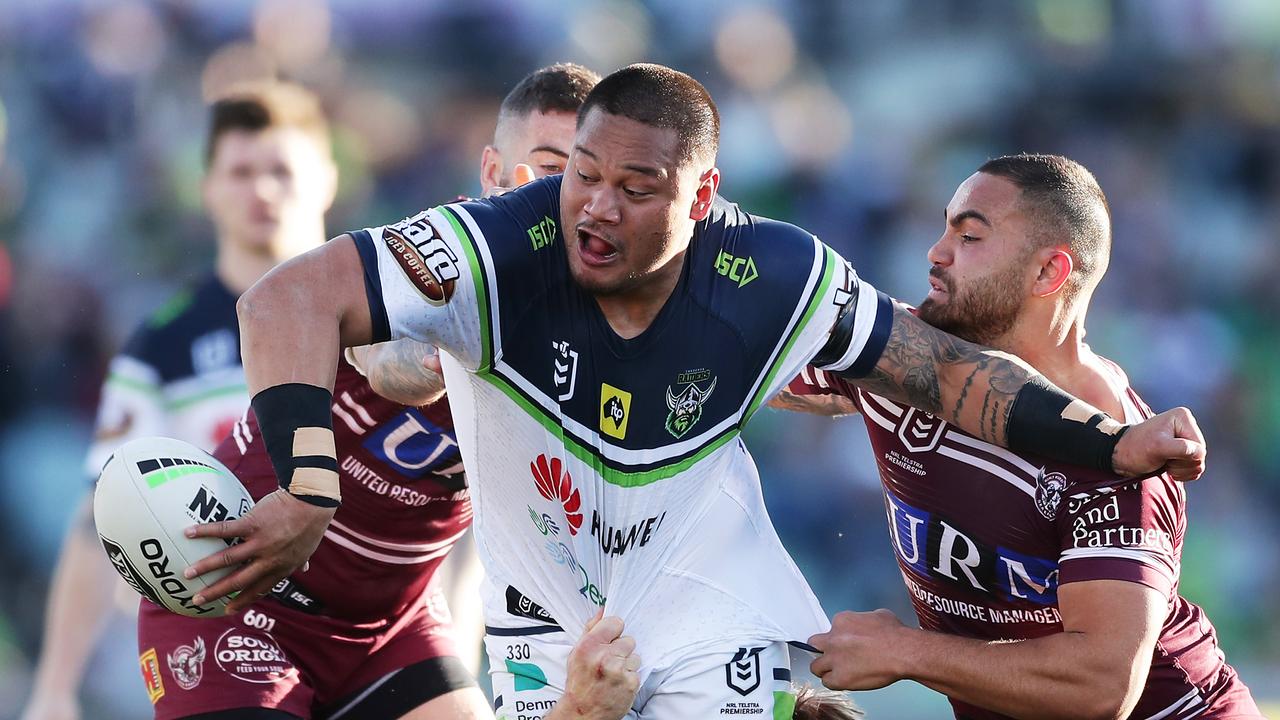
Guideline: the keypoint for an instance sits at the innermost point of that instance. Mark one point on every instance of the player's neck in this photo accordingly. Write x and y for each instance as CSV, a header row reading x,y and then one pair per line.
x,y
239,267
630,313
1054,345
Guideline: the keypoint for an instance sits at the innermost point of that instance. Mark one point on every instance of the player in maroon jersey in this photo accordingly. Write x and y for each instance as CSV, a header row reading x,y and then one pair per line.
x,y
1042,589
365,633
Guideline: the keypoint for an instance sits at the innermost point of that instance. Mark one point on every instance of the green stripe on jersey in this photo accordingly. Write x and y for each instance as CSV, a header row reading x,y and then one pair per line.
x,y
819,293
175,306
182,402
474,258
592,457
784,705
128,382
179,402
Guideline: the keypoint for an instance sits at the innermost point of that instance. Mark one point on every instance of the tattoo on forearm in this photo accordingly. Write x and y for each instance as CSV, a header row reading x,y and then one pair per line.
x,y
918,357
398,374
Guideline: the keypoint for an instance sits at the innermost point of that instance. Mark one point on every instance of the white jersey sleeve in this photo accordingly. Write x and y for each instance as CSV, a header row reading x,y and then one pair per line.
x,y
132,406
842,326
424,277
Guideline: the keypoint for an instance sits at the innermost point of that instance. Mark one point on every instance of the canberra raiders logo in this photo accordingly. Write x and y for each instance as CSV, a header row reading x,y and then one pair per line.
x,y
686,405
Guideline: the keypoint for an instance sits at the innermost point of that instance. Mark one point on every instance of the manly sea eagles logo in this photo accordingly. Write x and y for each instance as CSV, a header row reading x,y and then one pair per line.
x,y
1049,487
187,664
686,406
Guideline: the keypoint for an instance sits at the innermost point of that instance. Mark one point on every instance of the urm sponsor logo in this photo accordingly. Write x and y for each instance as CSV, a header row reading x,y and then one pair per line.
x,y
934,547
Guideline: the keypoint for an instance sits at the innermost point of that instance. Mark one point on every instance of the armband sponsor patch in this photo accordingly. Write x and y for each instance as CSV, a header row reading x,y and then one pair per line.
x,y
426,260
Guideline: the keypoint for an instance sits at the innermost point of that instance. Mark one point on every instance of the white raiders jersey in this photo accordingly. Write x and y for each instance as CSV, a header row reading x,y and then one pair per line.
x,y
608,471
179,376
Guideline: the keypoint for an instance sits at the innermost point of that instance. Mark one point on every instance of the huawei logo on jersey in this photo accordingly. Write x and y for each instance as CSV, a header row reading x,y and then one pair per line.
x,y
555,484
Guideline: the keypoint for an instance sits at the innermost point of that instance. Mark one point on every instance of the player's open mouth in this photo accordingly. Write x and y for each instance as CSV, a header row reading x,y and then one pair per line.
x,y
595,250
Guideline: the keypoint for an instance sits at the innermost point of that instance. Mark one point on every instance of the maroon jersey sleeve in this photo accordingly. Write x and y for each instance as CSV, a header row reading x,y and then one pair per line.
x,y
1131,533
812,381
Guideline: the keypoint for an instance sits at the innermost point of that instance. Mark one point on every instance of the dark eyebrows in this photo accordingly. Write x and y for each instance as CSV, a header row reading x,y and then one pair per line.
x,y
553,150
965,215
644,170
647,170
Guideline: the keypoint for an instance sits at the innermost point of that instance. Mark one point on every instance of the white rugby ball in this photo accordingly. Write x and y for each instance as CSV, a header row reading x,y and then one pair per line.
x,y
148,493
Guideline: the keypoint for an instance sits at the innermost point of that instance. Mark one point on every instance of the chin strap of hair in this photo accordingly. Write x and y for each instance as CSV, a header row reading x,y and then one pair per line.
x,y
297,429
1046,421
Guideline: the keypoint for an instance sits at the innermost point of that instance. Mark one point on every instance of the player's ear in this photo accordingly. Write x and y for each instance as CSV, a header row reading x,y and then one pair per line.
x,y
490,169
708,183
1055,268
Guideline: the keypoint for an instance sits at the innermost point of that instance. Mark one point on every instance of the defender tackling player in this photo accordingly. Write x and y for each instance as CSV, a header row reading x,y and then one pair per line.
x,y
636,437
1043,589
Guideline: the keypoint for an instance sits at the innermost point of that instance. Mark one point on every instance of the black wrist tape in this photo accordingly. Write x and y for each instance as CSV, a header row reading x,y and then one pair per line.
x,y
297,429
1046,421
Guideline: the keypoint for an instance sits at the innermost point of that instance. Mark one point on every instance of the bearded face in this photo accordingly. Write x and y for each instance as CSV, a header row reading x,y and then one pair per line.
x,y
979,309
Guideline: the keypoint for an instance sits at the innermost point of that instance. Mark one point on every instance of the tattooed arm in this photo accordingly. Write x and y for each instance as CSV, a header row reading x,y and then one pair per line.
x,y
396,370
999,398
970,385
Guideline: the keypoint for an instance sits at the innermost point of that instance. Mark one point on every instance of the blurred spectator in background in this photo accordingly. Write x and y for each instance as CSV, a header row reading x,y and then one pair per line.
x,y
270,178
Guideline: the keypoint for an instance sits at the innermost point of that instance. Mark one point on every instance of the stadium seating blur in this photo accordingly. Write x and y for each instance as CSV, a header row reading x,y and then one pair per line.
x,y
855,119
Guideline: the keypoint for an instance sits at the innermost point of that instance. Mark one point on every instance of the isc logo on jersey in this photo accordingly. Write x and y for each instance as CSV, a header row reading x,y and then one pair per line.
x,y
148,493
424,257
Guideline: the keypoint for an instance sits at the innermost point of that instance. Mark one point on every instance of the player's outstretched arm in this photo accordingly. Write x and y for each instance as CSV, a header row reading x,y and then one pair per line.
x,y
292,324
815,392
602,678
998,397
74,617
404,371
1095,668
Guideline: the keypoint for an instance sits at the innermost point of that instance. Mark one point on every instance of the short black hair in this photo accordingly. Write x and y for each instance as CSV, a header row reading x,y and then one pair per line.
x,y
661,97
254,107
1066,205
556,88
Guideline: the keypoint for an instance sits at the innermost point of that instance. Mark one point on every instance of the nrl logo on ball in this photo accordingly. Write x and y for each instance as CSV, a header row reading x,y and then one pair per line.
x,y
686,405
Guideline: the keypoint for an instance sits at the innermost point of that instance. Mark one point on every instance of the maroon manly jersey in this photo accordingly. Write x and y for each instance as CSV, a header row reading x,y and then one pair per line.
x,y
985,537
404,502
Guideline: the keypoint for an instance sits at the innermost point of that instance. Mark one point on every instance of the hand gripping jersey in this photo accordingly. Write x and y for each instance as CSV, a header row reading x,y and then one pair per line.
x,y
179,375
610,472
404,503
984,539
